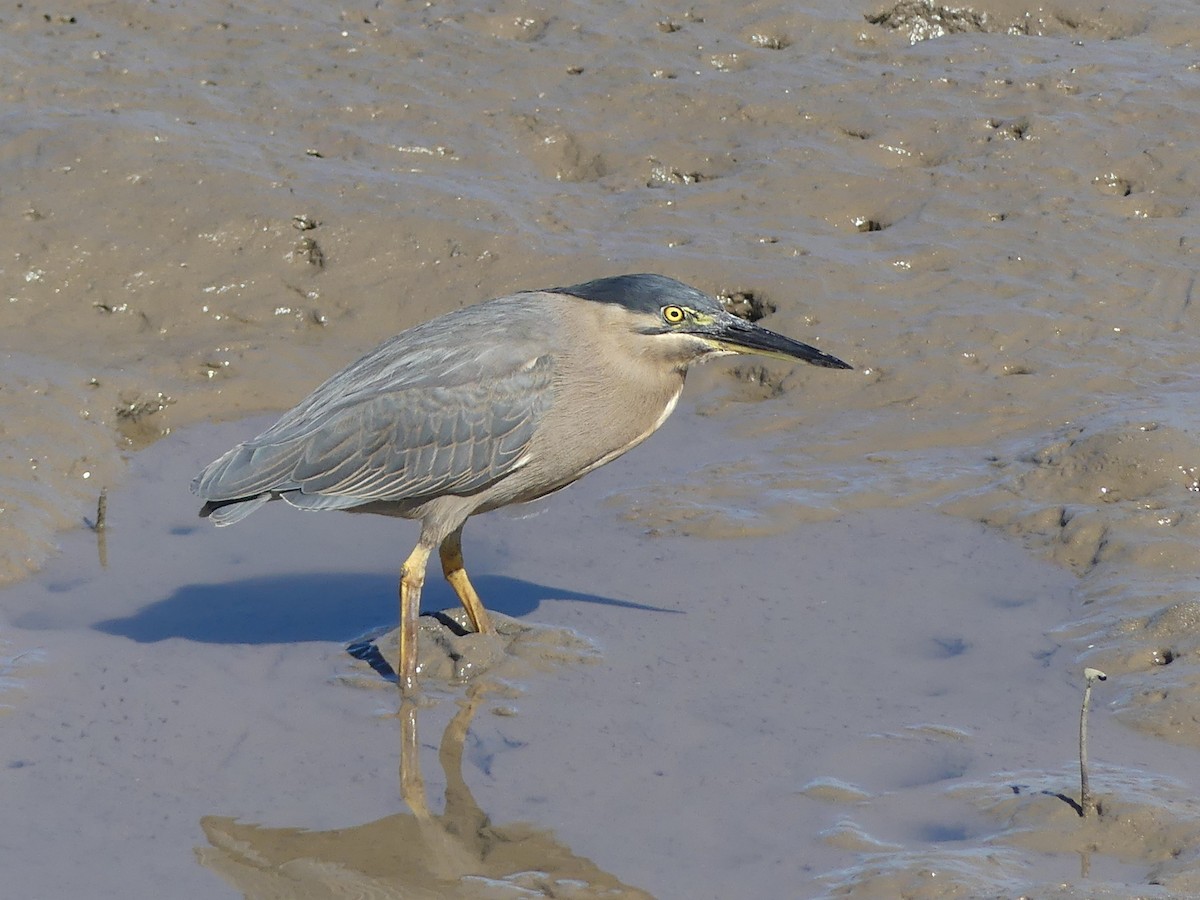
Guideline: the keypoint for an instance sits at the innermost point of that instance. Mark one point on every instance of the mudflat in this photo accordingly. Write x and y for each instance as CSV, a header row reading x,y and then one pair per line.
x,y
823,635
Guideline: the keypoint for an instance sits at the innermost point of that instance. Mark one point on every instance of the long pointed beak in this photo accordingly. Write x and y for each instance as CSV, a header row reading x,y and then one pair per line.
x,y
740,336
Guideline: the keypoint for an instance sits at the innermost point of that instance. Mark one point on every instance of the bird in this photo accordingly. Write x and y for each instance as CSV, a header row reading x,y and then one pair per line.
x,y
496,403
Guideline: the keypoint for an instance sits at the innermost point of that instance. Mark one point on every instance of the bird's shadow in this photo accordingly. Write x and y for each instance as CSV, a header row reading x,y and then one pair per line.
x,y
316,607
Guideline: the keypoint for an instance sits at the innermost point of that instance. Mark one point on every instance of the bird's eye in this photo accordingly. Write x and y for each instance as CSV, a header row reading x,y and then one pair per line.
x,y
673,314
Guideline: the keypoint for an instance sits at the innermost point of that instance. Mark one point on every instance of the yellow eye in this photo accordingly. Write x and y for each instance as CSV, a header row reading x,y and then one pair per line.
x,y
673,314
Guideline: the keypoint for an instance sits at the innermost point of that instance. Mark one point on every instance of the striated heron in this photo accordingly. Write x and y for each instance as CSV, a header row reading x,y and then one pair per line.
x,y
498,403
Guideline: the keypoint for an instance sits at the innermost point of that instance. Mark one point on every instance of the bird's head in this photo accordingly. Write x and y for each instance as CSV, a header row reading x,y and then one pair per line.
x,y
686,325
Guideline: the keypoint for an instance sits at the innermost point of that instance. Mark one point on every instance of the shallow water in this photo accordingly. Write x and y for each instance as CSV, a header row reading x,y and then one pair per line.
x,y
759,716
995,225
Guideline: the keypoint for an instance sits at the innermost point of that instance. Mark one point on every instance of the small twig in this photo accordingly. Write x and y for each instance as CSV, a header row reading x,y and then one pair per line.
x,y
101,510
1087,803
99,527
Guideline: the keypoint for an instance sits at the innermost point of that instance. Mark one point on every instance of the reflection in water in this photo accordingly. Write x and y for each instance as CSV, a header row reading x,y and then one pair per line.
x,y
459,853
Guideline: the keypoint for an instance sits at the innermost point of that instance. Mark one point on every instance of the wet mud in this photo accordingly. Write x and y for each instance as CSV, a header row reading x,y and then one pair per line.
x,y
988,210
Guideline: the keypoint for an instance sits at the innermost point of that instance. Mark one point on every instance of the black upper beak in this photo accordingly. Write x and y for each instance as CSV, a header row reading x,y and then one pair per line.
x,y
741,336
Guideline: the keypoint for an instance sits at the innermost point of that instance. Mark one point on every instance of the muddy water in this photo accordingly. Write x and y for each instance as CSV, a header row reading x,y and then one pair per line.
x,y
990,212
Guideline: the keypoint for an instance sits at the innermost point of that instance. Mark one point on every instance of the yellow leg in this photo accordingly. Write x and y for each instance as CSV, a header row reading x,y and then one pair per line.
x,y
456,574
412,578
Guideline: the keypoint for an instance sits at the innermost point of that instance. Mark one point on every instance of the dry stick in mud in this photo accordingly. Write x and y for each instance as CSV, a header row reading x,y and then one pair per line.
x,y
101,510
1087,803
99,527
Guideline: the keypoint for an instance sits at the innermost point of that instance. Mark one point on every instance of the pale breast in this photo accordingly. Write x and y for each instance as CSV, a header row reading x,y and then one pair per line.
x,y
606,401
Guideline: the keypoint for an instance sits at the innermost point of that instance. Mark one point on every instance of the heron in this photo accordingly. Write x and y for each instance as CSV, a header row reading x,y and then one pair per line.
x,y
501,402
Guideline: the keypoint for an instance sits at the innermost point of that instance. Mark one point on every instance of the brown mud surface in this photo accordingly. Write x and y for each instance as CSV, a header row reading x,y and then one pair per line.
x,y
825,635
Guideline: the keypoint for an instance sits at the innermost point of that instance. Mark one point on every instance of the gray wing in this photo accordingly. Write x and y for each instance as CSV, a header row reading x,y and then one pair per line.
x,y
410,421
402,445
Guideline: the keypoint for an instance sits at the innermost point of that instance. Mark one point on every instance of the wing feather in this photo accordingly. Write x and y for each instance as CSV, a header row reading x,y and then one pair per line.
x,y
403,443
